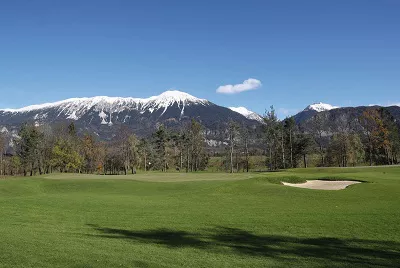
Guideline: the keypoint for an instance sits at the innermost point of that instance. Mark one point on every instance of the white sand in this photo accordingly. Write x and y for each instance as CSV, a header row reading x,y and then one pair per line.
x,y
322,185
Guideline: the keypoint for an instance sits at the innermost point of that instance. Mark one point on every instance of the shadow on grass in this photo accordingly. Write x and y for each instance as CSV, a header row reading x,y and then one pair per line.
x,y
336,252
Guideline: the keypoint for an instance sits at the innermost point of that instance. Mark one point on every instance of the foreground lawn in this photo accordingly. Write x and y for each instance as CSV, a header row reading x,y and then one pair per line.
x,y
201,220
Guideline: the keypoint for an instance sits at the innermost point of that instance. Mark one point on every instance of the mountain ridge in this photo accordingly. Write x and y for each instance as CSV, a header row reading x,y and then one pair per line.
x,y
320,107
163,100
101,114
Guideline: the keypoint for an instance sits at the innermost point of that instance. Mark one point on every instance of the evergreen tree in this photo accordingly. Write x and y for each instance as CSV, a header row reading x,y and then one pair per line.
x,y
27,147
271,130
290,127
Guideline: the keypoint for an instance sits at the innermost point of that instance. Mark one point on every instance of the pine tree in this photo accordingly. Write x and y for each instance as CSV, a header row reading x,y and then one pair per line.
x,y
27,147
161,140
271,130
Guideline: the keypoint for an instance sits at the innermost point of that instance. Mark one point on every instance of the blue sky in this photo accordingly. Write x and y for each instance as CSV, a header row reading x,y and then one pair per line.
x,y
341,52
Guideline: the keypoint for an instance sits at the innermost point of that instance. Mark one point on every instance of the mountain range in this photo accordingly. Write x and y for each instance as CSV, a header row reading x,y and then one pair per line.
x,y
104,116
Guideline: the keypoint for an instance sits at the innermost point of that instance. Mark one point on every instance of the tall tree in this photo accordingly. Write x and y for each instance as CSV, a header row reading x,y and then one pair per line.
x,y
391,137
178,140
27,147
196,137
65,157
161,140
245,140
290,126
232,138
133,152
2,152
272,132
302,147
90,153
318,129
345,149
372,125
122,142
144,150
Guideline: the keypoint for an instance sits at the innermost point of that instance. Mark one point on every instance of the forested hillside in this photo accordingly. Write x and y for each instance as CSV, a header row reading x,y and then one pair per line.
x,y
338,137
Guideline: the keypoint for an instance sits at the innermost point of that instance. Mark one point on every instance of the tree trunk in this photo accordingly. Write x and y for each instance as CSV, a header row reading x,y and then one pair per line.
x,y
270,159
181,161
231,157
291,149
283,152
321,151
187,159
145,162
237,163
247,157
1,163
305,160
370,155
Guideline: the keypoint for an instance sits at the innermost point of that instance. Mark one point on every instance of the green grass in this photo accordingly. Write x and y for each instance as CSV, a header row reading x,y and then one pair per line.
x,y
201,220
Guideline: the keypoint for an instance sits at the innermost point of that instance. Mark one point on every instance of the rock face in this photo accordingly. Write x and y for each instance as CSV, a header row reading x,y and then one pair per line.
x,y
104,116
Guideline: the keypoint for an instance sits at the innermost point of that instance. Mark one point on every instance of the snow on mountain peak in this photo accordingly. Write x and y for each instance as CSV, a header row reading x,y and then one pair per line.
x,y
242,110
246,113
320,107
175,95
171,96
76,107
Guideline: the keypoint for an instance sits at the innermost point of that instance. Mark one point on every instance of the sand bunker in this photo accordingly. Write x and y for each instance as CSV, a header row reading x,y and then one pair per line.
x,y
322,185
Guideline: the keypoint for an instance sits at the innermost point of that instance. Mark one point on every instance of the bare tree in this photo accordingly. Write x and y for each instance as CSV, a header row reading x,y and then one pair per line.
x,y
232,136
245,138
2,152
318,128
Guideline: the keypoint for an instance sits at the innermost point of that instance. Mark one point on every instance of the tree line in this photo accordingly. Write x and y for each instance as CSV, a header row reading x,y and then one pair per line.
x,y
373,138
45,149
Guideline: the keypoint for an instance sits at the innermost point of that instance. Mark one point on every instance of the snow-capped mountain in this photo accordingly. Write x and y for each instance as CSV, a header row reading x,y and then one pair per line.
x,y
75,108
247,113
103,115
312,110
330,113
320,107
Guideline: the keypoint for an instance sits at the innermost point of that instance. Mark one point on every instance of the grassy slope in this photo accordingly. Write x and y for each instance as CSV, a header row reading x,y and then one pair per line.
x,y
201,220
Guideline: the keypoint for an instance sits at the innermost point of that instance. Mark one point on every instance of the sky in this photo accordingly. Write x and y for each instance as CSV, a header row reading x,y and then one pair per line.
x,y
234,53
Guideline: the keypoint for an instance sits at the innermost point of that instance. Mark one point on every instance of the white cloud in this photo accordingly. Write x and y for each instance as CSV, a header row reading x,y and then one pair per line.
x,y
249,84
